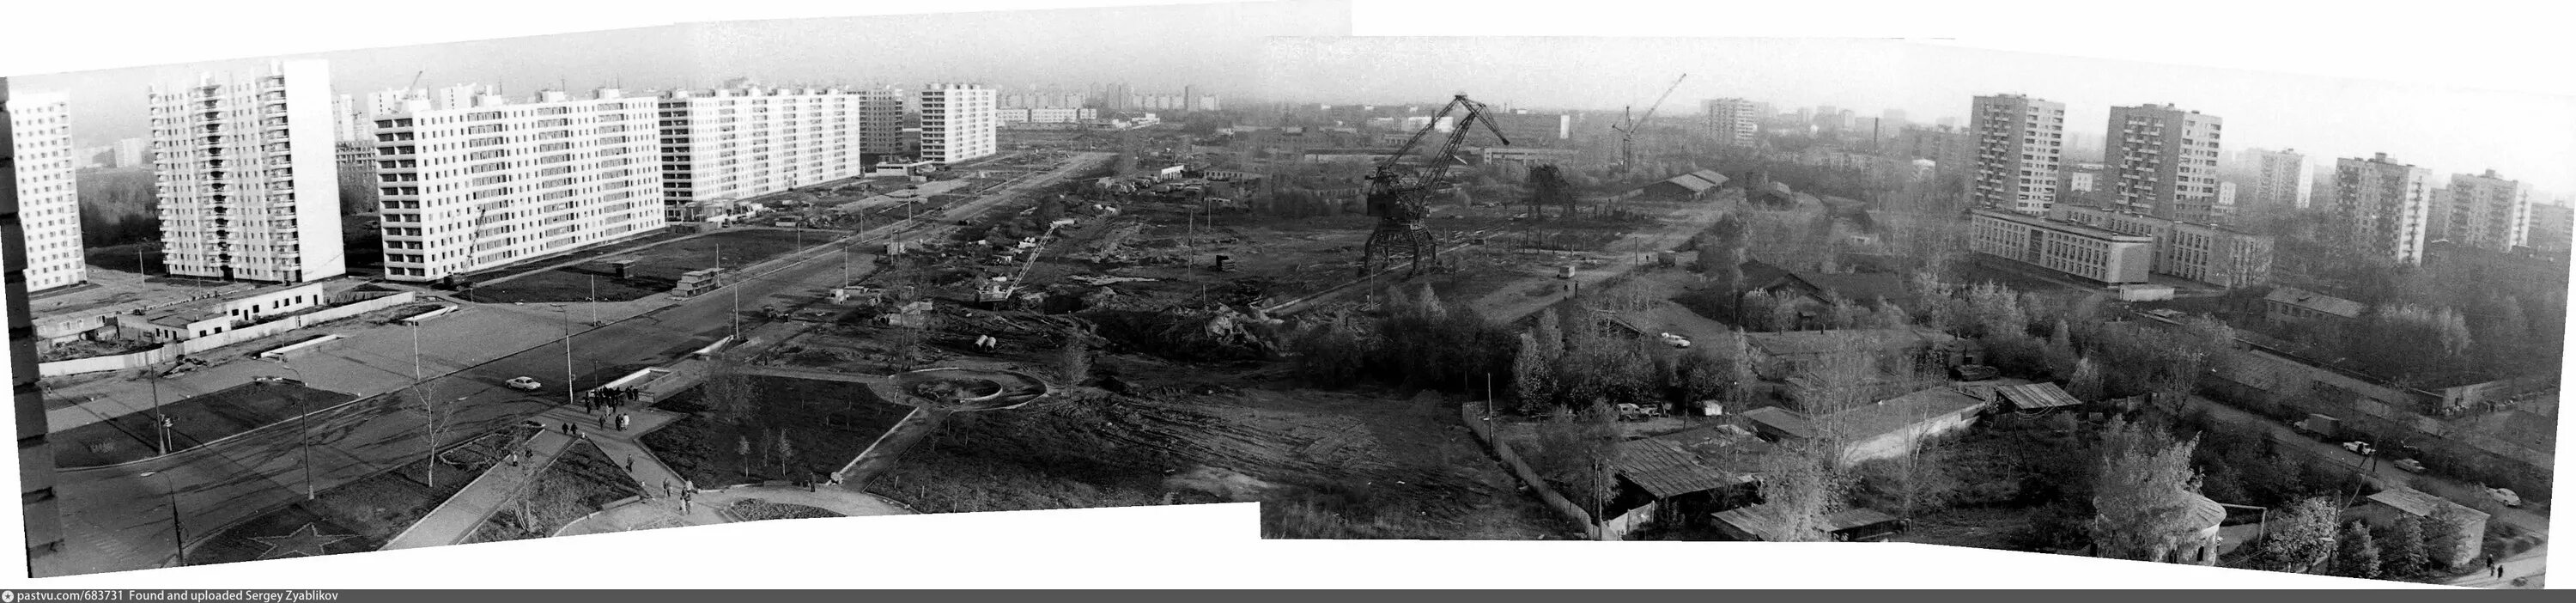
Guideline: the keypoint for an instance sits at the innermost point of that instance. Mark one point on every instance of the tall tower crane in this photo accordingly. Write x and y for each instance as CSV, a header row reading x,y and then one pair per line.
x,y
1628,128
1400,190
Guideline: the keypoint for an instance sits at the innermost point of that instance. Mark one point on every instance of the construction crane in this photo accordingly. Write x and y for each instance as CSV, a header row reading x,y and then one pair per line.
x,y
1630,123
1399,191
999,291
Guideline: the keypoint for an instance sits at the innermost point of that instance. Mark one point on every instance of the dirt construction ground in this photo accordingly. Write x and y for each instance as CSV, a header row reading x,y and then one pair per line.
x,y
657,268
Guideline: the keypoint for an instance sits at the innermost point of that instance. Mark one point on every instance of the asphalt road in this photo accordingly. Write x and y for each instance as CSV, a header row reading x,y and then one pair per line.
x,y
119,518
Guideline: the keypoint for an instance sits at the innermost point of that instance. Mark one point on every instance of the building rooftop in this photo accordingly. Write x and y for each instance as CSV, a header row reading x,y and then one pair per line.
x,y
2037,396
2315,301
2062,226
1888,416
1782,420
2419,504
1861,288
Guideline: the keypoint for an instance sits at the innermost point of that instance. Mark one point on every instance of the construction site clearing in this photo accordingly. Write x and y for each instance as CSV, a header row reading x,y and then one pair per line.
x,y
1171,291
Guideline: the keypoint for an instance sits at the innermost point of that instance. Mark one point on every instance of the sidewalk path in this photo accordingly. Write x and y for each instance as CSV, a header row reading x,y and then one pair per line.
x,y
455,520
2533,564
704,509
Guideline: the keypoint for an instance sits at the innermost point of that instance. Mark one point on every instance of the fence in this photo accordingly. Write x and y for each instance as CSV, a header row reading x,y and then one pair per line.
x,y
172,351
1472,414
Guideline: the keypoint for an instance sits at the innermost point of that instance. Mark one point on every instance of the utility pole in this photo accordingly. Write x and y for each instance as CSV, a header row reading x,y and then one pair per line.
x,y
304,423
569,397
159,418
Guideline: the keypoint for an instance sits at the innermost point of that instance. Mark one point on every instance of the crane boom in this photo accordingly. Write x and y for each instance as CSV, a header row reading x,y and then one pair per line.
x,y
1659,102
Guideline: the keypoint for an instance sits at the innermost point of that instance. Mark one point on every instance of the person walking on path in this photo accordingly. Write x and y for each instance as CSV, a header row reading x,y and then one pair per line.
x,y
630,464
514,458
625,421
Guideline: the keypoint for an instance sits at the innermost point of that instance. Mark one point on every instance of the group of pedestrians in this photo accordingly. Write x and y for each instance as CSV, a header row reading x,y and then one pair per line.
x,y
618,421
687,494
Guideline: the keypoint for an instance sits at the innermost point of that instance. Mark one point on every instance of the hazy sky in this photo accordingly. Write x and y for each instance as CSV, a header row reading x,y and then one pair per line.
x,y
2450,130
1211,46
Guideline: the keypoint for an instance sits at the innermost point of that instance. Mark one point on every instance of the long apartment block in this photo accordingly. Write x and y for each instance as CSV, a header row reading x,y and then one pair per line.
x,y
494,183
733,144
2200,252
40,142
245,172
2092,253
2018,142
957,123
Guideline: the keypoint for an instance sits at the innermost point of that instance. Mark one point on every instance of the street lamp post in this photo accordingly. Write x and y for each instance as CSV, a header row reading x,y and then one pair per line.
x,y
304,423
569,397
178,533
159,418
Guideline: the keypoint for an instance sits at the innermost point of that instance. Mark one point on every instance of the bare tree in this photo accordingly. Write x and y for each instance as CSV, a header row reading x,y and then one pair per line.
x,y
442,419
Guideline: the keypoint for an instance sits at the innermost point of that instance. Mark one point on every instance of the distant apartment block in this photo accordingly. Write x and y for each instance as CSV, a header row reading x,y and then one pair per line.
x,y
40,142
881,122
1731,121
2487,211
739,143
2019,140
494,183
133,153
1525,129
244,170
2282,178
2164,162
1044,116
2092,253
2200,252
1045,99
2385,204
957,123
2085,183
2553,227
1949,149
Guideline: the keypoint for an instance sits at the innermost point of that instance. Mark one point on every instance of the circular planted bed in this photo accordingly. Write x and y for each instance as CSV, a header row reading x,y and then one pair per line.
x,y
967,389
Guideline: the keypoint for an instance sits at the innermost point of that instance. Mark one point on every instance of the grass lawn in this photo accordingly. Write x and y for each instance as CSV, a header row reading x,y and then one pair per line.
x,y
1019,461
828,423
577,484
370,511
194,421
753,509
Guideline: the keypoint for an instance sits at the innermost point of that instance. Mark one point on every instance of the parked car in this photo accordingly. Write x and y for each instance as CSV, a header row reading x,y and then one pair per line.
x,y
2505,497
525,384
2410,465
1674,340
2359,447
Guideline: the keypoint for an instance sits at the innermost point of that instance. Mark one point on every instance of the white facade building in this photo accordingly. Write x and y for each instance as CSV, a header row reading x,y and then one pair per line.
x,y
133,153
2019,141
244,169
739,143
40,142
495,183
1732,121
957,123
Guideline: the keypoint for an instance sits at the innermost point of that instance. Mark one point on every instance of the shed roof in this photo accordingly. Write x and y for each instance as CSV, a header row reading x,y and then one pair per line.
x,y
1887,416
1760,521
2037,396
1866,288
2416,503
1691,461
1711,176
1783,420
1857,517
2206,512
2315,301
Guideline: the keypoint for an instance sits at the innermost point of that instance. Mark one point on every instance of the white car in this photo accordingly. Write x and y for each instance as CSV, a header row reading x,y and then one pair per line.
x,y
2504,496
1674,340
2360,448
525,384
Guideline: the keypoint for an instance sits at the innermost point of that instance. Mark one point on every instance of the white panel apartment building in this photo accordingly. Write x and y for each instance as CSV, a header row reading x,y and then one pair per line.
x,y
2164,162
1731,121
40,142
2018,140
2386,204
2489,212
732,144
2281,178
494,183
246,176
957,123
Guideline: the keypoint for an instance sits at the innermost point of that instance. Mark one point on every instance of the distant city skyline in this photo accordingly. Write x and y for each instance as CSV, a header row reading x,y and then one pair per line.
x,y
2325,117
1070,47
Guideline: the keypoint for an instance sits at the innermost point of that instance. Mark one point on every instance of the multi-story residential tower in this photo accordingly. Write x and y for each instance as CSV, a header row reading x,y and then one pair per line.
x,y
38,504
2019,140
2280,178
1731,121
48,197
881,122
2385,205
2553,227
244,169
2164,162
494,183
739,143
957,123
2488,212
